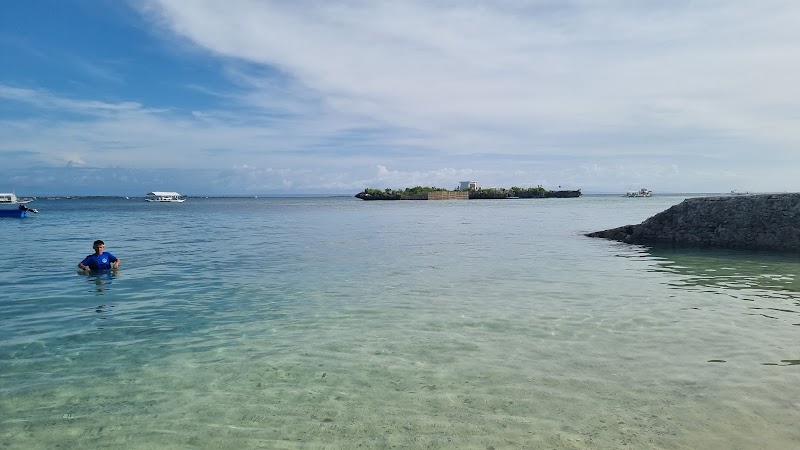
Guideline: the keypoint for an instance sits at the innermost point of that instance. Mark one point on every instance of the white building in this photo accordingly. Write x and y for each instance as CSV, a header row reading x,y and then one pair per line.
x,y
467,185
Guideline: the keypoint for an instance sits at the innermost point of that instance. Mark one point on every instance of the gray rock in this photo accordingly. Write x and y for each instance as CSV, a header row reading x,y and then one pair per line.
x,y
755,222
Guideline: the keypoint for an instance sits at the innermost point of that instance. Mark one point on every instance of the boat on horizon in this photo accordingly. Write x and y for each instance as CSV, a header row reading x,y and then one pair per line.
x,y
643,192
164,197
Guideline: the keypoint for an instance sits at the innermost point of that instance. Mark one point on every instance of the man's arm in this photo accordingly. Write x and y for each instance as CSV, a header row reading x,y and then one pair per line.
x,y
116,264
82,267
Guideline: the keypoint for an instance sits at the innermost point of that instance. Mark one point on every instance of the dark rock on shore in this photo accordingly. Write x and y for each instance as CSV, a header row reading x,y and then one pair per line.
x,y
754,222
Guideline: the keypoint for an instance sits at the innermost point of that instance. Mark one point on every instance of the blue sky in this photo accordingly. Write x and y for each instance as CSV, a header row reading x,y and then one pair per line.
x,y
237,97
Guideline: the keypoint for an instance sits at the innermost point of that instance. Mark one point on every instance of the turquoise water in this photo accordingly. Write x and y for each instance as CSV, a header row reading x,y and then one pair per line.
x,y
338,323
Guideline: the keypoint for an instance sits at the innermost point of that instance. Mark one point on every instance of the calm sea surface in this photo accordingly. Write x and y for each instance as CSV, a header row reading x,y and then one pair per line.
x,y
338,323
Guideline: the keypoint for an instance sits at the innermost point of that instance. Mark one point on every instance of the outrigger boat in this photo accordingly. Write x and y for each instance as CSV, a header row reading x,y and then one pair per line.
x,y
11,206
164,197
643,192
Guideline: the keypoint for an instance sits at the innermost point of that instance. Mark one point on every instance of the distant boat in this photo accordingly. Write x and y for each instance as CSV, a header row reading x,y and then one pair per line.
x,y
164,197
643,192
11,206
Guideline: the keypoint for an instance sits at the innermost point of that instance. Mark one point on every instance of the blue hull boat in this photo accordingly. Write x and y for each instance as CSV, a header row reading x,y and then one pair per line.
x,y
13,213
11,206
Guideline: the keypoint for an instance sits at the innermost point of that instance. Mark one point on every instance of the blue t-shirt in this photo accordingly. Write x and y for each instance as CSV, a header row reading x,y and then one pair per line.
x,y
99,262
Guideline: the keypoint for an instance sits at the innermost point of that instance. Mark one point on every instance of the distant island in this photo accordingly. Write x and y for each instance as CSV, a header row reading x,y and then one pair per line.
x,y
434,193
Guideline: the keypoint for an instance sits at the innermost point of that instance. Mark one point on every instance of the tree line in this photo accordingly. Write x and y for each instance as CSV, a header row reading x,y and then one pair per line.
x,y
421,193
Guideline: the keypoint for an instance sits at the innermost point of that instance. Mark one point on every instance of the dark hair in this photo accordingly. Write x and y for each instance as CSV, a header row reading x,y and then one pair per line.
x,y
98,242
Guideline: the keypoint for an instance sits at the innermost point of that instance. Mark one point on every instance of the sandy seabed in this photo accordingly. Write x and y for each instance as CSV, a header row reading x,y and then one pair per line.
x,y
465,383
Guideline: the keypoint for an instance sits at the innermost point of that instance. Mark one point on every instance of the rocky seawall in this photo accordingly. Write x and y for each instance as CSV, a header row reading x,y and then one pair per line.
x,y
754,222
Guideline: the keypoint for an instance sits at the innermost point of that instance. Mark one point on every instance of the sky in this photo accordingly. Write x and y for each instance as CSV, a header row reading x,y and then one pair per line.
x,y
259,97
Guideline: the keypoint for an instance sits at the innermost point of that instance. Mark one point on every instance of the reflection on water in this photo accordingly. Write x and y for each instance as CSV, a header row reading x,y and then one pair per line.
x,y
743,275
767,281
100,280
774,274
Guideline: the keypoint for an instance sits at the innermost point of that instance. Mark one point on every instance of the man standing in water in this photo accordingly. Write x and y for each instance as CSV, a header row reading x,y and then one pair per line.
x,y
100,260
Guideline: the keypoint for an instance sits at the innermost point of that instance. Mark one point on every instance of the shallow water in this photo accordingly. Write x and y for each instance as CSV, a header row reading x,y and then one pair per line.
x,y
338,323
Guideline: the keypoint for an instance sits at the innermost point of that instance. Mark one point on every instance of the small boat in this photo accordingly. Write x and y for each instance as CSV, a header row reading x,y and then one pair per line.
x,y
643,192
11,206
164,197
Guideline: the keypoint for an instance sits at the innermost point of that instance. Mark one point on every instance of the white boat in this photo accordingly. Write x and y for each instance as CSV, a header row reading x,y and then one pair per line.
x,y
164,197
643,192
11,206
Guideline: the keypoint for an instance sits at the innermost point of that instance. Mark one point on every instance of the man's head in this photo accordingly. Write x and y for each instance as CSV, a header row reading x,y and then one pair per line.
x,y
98,245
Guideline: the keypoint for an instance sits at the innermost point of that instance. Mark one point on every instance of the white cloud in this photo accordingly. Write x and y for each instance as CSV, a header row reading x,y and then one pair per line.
x,y
447,68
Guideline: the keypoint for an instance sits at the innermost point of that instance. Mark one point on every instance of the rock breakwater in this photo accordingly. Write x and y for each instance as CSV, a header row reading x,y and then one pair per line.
x,y
753,222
